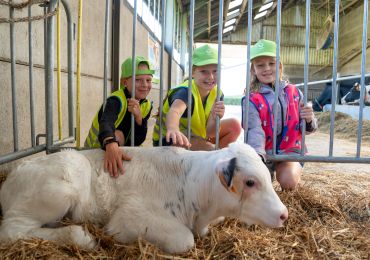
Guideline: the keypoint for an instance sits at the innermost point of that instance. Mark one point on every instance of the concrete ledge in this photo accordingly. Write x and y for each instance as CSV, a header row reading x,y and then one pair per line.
x,y
351,110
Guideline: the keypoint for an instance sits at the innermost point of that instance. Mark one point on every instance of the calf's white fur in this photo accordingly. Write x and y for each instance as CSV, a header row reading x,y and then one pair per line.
x,y
166,195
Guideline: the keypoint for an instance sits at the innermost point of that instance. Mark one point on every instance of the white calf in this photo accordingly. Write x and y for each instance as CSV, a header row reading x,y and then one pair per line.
x,y
166,195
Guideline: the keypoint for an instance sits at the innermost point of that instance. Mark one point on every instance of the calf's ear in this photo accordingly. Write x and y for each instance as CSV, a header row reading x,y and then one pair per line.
x,y
226,171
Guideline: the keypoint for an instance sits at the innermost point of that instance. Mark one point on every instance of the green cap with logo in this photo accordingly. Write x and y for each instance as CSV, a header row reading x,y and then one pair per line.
x,y
126,68
263,48
205,55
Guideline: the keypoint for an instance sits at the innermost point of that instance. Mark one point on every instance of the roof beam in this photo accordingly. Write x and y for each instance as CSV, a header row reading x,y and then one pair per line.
x,y
344,8
226,8
209,18
322,5
290,3
242,9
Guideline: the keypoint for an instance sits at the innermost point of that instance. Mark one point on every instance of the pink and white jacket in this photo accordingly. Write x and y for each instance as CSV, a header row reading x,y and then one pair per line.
x,y
289,124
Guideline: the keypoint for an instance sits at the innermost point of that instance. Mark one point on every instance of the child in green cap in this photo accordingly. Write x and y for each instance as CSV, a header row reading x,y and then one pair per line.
x,y
291,113
111,126
204,110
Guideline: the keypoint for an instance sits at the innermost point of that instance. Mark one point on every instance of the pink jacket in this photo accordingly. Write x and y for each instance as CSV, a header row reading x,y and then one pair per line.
x,y
260,128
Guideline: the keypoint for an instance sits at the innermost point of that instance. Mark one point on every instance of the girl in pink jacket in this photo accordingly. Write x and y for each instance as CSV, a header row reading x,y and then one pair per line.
x,y
290,114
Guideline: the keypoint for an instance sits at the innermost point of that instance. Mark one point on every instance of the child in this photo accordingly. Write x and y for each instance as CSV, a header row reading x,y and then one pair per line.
x,y
290,114
204,109
111,126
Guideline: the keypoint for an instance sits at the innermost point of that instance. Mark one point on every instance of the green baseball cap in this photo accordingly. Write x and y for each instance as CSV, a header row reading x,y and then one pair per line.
x,y
205,55
263,48
126,68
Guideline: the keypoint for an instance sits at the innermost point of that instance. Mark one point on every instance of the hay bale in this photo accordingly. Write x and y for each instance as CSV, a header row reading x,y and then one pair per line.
x,y
344,126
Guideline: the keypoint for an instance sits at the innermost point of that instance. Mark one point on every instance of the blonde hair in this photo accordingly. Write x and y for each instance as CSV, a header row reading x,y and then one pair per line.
x,y
255,84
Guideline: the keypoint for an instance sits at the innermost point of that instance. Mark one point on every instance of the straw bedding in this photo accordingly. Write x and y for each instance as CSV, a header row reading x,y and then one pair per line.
x,y
324,223
329,218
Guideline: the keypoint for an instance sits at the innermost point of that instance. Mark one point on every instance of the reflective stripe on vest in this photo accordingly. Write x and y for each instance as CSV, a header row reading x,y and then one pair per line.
x,y
92,140
291,140
199,116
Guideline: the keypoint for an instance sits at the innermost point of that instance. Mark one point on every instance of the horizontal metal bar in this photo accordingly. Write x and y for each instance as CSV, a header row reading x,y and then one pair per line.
x,y
32,150
66,140
39,66
311,158
330,80
22,153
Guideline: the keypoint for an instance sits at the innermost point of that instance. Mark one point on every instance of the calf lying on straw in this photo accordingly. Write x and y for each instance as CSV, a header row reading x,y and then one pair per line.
x,y
166,195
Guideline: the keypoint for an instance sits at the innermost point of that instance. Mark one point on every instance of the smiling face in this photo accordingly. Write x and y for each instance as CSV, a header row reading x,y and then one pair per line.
x,y
205,78
143,83
264,68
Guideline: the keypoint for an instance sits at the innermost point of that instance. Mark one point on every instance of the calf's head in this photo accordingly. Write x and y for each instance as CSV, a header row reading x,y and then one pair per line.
x,y
249,187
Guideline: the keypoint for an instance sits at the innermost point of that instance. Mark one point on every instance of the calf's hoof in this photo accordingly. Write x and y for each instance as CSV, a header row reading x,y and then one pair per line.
x,y
82,238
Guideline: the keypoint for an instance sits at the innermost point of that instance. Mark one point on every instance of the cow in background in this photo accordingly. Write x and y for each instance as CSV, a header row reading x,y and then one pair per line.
x,y
167,195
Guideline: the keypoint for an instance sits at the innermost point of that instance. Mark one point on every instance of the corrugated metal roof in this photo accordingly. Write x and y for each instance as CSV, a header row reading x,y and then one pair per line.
x,y
207,13
293,28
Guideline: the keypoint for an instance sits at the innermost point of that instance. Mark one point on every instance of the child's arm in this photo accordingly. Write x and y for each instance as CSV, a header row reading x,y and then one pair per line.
x,y
218,109
172,124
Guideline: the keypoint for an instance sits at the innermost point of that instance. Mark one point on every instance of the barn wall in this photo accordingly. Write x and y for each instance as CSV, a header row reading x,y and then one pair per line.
x,y
92,62
350,41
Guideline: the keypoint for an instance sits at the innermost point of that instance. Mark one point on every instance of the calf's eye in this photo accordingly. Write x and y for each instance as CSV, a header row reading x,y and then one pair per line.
x,y
250,183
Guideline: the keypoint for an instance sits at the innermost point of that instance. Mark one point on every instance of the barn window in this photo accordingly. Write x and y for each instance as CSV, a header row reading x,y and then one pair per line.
x,y
177,36
150,12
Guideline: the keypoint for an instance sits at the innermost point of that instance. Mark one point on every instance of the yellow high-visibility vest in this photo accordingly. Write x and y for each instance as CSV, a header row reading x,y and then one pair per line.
x,y
199,116
92,140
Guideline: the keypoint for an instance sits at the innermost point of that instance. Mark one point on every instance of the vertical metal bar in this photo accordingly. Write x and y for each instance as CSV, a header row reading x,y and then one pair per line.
x,y
163,3
13,78
158,13
59,76
277,77
191,39
170,44
248,80
49,77
45,6
183,43
363,68
78,85
306,58
116,34
30,75
70,68
220,27
133,70
334,82
154,12
106,28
